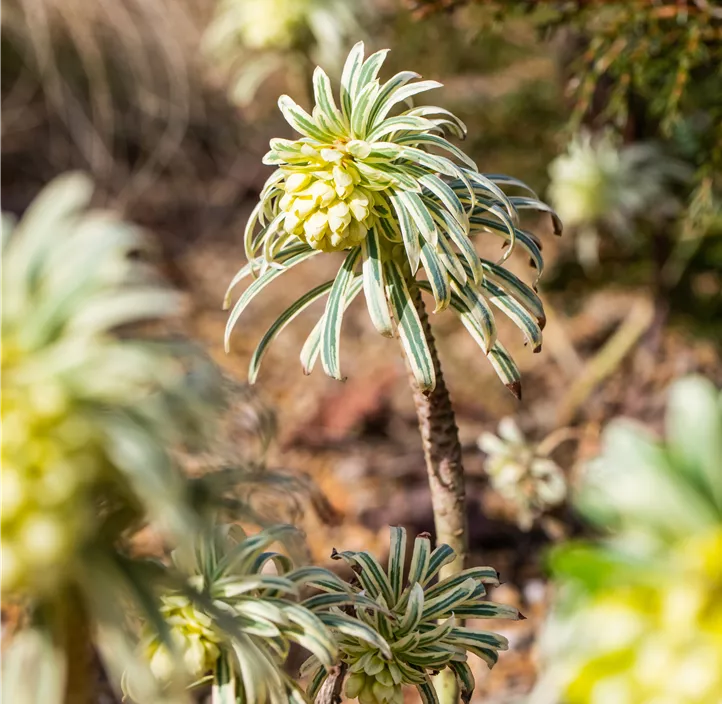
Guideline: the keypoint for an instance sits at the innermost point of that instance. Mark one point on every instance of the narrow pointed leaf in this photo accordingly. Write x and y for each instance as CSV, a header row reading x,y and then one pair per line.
x,y
280,323
438,277
410,329
374,284
409,232
333,316
312,347
257,286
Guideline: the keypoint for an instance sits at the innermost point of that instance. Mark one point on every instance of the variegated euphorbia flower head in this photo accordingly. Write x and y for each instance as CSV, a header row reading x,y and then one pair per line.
x,y
235,620
380,181
522,472
416,618
600,186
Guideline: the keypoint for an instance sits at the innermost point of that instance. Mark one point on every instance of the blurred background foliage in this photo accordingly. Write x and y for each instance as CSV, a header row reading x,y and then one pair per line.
x,y
169,105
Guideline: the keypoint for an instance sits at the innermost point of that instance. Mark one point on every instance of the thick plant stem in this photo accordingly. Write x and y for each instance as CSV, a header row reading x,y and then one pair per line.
x,y
74,634
442,451
330,692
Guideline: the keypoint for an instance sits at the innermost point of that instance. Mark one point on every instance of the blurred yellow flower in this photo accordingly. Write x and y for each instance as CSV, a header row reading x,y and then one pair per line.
x,y
85,413
638,617
262,24
659,642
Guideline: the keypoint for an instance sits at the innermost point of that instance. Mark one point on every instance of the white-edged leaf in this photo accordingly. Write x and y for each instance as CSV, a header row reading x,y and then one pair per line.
x,y
438,277
323,94
371,574
257,286
425,110
409,232
515,287
372,66
465,678
401,94
420,214
524,239
522,203
447,197
511,181
280,323
459,236
374,284
442,555
451,261
312,346
362,109
333,316
487,609
356,629
514,310
395,82
505,368
482,575
419,559
445,604
397,560
440,143
350,79
301,121
414,611
397,124
411,332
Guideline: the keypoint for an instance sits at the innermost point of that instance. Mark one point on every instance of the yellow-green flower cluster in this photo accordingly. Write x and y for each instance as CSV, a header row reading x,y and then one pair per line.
x,y
327,208
86,423
373,680
659,642
193,637
379,180
266,24
600,187
49,463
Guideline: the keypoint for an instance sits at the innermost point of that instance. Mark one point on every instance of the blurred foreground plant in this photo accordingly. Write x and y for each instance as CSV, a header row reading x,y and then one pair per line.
x,y
253,39
639,615
407,614
88,415
362,179
523,472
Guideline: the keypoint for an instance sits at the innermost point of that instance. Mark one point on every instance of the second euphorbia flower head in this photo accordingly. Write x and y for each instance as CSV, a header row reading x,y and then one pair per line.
x,y
362,179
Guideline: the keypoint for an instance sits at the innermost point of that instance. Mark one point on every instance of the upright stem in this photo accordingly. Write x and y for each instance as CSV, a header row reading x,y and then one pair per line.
x,y
74,634
442,451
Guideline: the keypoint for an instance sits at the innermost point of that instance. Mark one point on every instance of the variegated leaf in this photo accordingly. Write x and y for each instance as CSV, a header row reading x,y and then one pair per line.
x,y
280,323
411,332
374,284
333,316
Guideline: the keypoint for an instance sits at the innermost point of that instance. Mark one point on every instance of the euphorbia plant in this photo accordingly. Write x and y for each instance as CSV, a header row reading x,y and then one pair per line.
x,y
232,621
362,179
89,417
408,609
